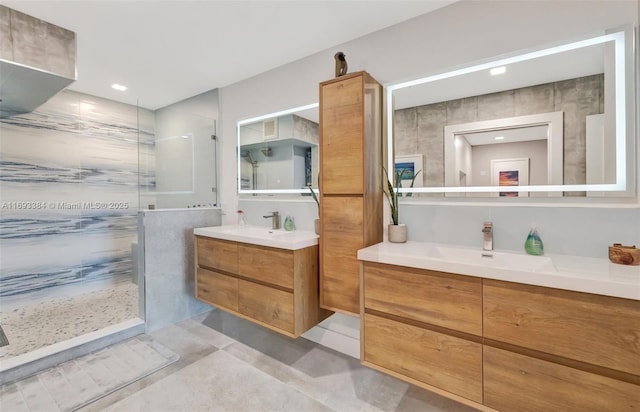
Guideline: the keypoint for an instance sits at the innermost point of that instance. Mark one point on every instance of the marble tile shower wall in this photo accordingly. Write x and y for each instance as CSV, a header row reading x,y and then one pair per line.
x,y
421,129
69,183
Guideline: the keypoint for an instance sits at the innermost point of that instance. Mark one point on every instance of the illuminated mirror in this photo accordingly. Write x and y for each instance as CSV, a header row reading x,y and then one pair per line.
x,y
544,122
278,152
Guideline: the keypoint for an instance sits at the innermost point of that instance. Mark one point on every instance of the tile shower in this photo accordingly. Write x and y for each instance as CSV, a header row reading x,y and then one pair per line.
x,y
71,173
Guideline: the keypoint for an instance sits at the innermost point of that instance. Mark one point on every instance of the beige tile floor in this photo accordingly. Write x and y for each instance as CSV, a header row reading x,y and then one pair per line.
x,y
229,364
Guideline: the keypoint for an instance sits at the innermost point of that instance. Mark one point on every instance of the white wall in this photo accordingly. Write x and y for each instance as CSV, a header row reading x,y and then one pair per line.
x,y
460,33
535,150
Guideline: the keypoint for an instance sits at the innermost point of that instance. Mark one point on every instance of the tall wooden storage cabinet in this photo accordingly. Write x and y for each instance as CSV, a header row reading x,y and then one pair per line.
x,y
350,184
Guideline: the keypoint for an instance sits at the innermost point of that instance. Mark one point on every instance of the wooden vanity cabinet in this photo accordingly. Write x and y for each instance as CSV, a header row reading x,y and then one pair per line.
x,y
441,299
217,289
594,329
424,327
216,253
276,288
267,306
551,349
517,382
350,184
500,345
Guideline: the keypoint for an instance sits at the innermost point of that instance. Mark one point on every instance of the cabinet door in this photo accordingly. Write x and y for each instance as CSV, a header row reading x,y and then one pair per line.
x,y
217,289
342,127
341,238
266,264
443,361
441,299
217,254
599,330
514,382
271,306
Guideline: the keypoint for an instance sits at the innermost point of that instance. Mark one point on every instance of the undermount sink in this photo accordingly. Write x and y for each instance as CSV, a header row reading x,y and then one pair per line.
x,y
261,235
256,231
504,260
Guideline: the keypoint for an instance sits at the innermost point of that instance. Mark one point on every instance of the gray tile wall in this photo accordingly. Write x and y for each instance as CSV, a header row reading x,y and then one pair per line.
x,y
169,280
421,129
36,43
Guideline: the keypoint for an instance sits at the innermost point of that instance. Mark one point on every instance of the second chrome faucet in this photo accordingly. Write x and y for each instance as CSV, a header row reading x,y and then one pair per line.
x,y
275,223
487,239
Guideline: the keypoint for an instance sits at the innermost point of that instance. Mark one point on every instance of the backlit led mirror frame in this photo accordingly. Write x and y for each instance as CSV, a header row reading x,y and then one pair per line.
x,y
623,41
268,117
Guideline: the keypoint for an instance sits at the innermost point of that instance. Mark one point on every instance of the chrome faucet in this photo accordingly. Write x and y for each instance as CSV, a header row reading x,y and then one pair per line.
x,y
487,239
275,223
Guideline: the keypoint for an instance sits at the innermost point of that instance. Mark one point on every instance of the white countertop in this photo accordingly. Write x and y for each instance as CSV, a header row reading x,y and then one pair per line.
x,y
260,235
581,274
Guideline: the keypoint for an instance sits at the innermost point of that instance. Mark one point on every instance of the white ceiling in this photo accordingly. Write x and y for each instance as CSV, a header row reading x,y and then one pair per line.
x,y
166,51
571,64
509,135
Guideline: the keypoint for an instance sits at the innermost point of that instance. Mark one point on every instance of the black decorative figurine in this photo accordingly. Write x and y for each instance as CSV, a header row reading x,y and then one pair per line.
x,y
341,64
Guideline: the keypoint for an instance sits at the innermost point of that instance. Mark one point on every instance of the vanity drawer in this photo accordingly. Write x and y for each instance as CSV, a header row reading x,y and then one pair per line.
x,y
268,305
265,264
217,289
599,330
441,299
217,254
443,361
514,382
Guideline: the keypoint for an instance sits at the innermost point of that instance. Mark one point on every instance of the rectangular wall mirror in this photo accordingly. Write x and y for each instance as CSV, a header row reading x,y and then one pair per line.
x,y
546,122
278,152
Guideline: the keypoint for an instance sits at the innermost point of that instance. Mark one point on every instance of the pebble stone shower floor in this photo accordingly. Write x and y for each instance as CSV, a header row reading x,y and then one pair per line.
x,y
49,321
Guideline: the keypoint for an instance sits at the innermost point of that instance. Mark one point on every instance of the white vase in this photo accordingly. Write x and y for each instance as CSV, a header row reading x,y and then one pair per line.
x,y
316,226
397,233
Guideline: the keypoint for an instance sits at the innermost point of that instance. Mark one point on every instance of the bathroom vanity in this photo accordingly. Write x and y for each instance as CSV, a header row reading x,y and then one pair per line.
x,y
515,333
269,277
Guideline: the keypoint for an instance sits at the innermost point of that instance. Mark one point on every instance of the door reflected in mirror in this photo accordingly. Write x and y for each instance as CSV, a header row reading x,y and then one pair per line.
x,y
480,153
278,152
576,97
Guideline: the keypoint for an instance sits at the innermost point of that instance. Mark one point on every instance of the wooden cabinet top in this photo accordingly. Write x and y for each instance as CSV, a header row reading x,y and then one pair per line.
x,y
364,74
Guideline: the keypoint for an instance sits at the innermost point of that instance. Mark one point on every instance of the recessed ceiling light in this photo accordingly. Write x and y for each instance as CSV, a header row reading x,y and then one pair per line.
x,y
499,138
119,87
498,70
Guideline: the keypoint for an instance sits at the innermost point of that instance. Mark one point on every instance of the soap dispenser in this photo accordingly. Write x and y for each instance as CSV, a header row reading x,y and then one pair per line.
x,y
289,223
533,245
